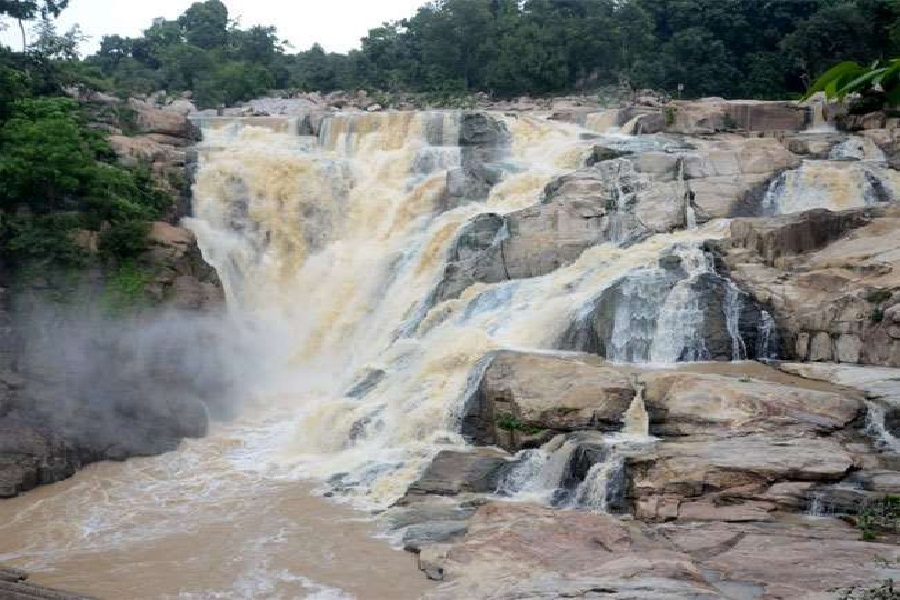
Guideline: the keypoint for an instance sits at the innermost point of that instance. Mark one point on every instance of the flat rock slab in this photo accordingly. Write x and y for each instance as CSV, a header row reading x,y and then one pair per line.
x,y
455,472
683,403
515,551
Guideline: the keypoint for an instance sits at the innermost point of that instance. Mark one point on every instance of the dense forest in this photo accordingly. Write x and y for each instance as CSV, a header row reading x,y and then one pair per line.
x,y
730,48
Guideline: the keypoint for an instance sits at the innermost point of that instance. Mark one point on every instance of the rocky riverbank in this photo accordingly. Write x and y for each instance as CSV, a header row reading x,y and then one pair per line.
x,y
750,480
77,383
643,352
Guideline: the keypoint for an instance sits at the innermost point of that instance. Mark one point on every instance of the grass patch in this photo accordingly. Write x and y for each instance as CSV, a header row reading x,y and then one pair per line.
x,y
885,591
670,112
882,516
510,422
879,296
126,287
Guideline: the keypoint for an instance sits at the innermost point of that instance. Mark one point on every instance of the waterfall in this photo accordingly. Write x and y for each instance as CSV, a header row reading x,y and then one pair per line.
x,y
829,184
602,486
679,326
734,304
636,421
766,344
336,245
876,427
679,310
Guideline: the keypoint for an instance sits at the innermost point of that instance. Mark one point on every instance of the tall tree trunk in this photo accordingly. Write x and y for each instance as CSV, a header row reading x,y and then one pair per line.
x,y
22,29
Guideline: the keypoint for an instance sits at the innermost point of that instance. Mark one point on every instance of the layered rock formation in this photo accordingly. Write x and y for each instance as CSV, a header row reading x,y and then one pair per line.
x,y
736,479
739,453
89,370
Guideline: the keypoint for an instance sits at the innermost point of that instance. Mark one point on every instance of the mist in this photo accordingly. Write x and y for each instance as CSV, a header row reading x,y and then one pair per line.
x,y
117,386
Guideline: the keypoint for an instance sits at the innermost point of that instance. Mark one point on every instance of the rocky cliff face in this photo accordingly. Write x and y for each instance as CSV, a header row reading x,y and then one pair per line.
x,y
89,368
736,479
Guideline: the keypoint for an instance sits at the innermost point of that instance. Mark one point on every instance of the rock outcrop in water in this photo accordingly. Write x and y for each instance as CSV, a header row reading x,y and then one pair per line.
x,y
78,385
89,371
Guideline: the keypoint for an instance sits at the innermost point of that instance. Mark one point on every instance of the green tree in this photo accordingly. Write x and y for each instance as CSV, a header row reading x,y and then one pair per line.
x,y
58,175
28,10
50,45
205,24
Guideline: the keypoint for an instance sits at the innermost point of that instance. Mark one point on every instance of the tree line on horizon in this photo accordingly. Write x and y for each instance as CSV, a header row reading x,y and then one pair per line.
x,y
730,48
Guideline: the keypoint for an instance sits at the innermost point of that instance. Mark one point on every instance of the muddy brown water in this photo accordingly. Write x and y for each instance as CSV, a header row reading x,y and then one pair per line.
x,y
200,523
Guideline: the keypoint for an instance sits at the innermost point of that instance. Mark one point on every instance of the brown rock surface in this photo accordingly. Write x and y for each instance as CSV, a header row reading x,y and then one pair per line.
x,y
514,551
828,278
549,393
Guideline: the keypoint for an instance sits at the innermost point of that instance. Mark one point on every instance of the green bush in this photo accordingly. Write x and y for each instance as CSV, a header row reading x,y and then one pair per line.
x,y
510,422
882,516
57,176
126,286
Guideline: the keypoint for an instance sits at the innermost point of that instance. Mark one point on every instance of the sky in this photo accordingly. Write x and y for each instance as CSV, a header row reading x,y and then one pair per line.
x,y
336,24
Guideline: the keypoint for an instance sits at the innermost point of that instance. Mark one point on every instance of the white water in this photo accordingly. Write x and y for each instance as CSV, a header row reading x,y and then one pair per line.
x,y
341,246
835,185
330,248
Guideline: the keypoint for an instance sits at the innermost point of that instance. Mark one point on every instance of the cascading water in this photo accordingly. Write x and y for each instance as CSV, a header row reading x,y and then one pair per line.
x,y
331,247
343,243
830,184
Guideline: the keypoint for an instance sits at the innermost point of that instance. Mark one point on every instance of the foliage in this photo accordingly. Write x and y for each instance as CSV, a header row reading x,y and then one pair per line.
x,y
881,79
125,286
885,591
510,422
880,516
58,177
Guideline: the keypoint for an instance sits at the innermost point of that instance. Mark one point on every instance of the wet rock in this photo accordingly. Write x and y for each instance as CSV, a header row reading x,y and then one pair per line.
x,y
484,141
430,559
455,472
477,256
623,323
813,144
29,457
368,382
683,471
417,536
521,398
601,153
437,508
684,403
826,277
14,585
525,551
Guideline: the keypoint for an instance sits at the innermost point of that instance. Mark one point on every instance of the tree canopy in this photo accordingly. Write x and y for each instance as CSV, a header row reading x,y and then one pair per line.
x,y
731,48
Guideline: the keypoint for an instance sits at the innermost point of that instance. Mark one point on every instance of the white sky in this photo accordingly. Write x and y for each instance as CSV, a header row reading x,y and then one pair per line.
x,y
336,24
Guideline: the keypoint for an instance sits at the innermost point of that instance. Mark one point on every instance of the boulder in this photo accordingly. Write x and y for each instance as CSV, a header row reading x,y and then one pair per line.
x,y
684,403
827,278
728,471
183,279
453,472
484,140
521,397
148,119
714,114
